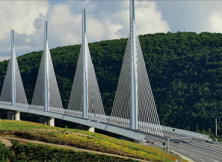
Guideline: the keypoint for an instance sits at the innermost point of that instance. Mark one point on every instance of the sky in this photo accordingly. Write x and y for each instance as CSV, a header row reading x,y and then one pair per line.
x,y
105,20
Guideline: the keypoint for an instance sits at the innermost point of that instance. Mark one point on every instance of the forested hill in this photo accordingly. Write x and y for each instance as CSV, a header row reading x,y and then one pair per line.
x,y
185,71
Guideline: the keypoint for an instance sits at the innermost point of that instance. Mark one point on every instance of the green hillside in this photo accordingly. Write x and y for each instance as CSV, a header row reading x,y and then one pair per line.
x,y
185,71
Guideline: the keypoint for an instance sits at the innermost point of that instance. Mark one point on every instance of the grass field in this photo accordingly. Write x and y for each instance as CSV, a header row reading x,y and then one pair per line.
x,y
83,139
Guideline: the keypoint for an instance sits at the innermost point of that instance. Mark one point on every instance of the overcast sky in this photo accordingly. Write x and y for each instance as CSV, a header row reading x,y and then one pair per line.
x,y
105,20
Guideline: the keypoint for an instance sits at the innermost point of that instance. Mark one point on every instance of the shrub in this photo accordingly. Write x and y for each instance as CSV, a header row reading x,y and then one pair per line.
x,y
36,152
5,153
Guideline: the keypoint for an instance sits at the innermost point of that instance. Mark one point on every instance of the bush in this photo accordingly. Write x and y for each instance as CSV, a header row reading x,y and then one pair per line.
x,y
5,153
36,152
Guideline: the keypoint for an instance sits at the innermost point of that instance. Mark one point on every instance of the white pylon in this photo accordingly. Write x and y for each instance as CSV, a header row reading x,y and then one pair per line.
x,y
13,81
133,71
85,74
17,114
13,90
134,106
85,98
46,94
46,69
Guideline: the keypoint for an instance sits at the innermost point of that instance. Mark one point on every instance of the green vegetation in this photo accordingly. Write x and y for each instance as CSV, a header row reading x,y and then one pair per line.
x,y
185,71
81,139
36,152
5,153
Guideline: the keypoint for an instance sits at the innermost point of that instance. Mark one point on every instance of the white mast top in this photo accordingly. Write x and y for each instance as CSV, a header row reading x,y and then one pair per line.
x,y
13,70
46,75
132,10
83,20
13,40
46,31
85,74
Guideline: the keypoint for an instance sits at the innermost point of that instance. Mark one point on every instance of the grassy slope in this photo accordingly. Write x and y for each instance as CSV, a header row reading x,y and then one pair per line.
x,y
22,151
82,139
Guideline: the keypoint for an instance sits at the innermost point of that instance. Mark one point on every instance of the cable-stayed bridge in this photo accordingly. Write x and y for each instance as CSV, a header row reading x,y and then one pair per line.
x,y
134,111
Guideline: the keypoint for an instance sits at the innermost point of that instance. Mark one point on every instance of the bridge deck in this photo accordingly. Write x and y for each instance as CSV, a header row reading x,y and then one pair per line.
x,y
99,125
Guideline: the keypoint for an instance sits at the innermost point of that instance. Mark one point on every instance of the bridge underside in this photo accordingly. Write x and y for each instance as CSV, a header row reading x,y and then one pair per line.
x,y
132,134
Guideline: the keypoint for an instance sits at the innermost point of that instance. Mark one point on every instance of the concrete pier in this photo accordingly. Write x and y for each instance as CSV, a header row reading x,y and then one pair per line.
x,y
91,129
17,115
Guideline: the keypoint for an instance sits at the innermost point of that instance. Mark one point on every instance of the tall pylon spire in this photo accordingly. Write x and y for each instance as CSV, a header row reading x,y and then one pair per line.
x,y
133,71
85,96
13,58
134,106
46,69
13,92
46,93
84,60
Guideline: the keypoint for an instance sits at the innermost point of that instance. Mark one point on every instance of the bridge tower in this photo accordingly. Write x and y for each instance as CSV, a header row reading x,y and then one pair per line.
x,y
85,99
46,94
85,104
13,58
46,69
13,92
133,71
134,106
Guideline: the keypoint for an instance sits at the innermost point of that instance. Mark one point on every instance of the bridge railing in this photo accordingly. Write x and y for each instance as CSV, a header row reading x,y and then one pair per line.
x,y
91,116
142,126
121,122
177,131
34,107
17,104
98,117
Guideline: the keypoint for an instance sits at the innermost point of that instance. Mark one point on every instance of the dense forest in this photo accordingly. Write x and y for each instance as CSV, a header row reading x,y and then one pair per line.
x,y
185,71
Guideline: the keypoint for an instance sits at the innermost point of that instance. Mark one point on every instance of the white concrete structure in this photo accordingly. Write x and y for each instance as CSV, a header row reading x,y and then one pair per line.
x,y
46,70
85,64
133,71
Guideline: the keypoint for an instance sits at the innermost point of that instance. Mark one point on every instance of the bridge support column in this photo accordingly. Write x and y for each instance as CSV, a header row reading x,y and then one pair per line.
x,y
51,122
133,71
91,129
17,115
47,120
13,115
